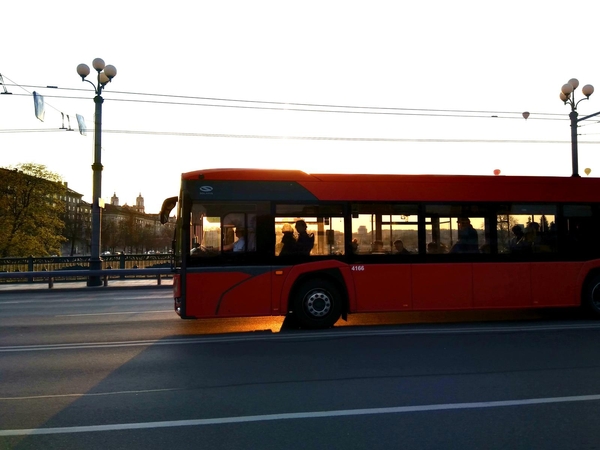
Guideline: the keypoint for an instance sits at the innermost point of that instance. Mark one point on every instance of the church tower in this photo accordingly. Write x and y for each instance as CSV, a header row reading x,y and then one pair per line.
x,y
114,200
139,204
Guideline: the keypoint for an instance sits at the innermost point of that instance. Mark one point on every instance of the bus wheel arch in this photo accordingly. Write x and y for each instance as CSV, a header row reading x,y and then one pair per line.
x,y
317,301
590,298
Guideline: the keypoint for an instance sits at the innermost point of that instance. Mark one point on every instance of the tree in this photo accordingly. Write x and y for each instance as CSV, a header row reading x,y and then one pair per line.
x,y
31,208
112,237
164,239
76,231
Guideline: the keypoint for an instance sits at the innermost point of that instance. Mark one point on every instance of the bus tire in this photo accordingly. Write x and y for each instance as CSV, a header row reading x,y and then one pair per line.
x,y
591,296
317,303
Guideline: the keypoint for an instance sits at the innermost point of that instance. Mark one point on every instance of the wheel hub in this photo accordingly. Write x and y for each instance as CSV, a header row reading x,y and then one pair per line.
x,y
318,304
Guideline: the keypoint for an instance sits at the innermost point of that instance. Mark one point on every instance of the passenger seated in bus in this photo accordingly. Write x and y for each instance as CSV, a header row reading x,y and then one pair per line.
x,y
239,244
354,245
377,247
517,242
534,234
549,238
468,241
399,248
288,240
531,239
436,248
305,241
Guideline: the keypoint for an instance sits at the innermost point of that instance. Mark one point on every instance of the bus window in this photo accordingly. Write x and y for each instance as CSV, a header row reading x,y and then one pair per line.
x,y
204,233
526,229
456,229
581,236
384,229
239,232
218,227
309,230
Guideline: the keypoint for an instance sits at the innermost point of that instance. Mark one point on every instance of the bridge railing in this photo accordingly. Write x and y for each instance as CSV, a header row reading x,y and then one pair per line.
x,y
74,268
50,276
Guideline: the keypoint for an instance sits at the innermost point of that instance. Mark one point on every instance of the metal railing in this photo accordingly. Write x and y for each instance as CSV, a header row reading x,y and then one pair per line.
x,y
76,268
74,275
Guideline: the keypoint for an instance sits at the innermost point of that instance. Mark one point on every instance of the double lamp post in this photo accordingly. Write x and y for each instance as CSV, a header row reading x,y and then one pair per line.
x,y
105,74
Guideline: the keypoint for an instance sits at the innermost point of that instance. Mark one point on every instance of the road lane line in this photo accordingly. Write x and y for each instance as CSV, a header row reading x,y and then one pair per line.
x,y
96,394
301,336
115,313
83,299
296,416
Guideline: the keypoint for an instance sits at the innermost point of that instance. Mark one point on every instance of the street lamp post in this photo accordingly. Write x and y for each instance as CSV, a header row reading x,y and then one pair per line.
x,y
567,95
105,74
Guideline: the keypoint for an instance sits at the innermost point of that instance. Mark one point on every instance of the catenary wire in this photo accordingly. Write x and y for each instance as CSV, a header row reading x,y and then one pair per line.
x,y
285,106
296,106
312,138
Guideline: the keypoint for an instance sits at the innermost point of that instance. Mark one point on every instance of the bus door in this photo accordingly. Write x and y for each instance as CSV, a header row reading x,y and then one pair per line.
x,y
455,236
385,244
532,274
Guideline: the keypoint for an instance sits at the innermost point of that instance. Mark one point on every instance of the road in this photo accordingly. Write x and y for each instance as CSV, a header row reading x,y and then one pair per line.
x,y
117,369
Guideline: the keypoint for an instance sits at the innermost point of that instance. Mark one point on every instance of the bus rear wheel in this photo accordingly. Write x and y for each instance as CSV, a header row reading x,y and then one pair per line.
x,y
317,304
591,296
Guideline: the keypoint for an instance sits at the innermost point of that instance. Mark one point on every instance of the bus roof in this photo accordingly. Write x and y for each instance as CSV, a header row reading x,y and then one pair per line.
x,y
247,175
387,187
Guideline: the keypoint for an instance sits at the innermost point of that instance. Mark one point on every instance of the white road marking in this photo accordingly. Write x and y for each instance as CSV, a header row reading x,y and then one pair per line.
x,y
115,313
302,336
84,299
297,416
95,394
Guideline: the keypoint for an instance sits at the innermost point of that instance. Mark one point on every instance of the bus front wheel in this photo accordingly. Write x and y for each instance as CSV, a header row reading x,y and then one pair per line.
x,y
317,304
591,296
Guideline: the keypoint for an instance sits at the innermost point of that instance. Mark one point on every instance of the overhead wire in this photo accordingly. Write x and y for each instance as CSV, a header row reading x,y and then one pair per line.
x,y
314,138
301,107
45,103
14,84
305,107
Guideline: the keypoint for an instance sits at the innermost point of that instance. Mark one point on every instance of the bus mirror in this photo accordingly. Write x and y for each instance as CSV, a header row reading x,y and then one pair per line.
x,y
166,209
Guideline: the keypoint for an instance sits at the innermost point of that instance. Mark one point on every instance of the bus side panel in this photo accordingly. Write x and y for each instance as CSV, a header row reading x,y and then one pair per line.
x,y
280,301
228,294
556,283
382,287
502,285
442,286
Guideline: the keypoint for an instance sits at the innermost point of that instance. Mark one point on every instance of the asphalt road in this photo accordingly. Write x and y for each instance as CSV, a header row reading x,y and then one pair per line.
x,y
117,369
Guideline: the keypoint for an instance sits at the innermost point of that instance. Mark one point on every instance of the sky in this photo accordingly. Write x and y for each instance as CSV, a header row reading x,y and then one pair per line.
x,y
423,87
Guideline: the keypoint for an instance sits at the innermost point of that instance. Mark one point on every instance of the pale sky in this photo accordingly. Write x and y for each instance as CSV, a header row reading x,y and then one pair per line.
x,y
406,64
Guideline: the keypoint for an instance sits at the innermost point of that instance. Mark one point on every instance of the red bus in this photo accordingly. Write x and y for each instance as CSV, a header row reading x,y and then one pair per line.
x,y
316,247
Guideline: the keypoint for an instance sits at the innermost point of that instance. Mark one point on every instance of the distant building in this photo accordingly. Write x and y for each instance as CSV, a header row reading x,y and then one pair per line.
x,y
129,229
78,223
139,204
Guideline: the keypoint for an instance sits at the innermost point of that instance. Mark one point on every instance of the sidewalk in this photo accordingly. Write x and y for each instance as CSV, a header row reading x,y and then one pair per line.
x,y
166,283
